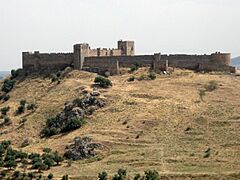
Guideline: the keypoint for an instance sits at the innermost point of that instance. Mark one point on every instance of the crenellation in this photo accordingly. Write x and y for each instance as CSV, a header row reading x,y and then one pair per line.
x,y
111,59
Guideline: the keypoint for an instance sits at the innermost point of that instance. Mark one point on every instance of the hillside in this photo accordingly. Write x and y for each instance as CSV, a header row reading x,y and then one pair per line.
x,y
157,124
236,62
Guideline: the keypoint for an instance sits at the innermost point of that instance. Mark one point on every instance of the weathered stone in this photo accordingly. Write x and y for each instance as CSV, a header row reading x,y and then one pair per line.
x,y
82,148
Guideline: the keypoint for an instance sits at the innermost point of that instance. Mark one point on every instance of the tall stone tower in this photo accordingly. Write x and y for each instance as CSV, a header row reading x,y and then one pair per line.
x,y
127,48
80,51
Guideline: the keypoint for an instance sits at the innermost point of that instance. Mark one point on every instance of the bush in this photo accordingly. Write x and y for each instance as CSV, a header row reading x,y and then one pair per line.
x,y
102,176
16,174
211,86
152,175
121,175
65,177
132,78
14,73
103,82
57,158
137,177
5,97
5,110
54,78
31,106
134,68
50,176
23,102
47,150
8,85
20,110
152,75
7,120
73,124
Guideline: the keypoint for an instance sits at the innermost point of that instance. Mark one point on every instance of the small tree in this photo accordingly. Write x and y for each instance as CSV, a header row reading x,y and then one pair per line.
x,y
103,175
11,163
57,158
48,162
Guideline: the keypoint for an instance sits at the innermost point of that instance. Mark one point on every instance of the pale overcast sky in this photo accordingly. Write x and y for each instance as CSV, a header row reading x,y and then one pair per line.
x,y
166,26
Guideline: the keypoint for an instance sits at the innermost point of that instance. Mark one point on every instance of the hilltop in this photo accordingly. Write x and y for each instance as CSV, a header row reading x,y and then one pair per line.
x,y
159,124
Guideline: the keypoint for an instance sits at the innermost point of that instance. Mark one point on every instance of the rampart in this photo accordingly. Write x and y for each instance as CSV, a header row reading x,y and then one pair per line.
x,y
44,62
102,60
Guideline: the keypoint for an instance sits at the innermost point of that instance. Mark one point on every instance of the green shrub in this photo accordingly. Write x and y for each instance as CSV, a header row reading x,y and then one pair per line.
x,y
54,78
102,176
132,78
16,174
48,162
11,163
57,158
47,150
5,97
20,110
14,73
50,176
31,106
103,82
73,124
5,110
137,177
211,86
152,75
7,120
152,175
65,177
121,175
133,68
8,85
23,102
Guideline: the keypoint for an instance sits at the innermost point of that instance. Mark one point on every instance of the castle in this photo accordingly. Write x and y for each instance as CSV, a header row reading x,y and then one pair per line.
x,y
111,60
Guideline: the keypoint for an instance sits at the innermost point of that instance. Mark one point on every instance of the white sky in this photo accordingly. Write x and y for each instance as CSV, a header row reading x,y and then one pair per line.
x,y
166,26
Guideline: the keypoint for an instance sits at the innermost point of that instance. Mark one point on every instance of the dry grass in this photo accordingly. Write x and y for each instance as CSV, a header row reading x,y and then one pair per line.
x,y
158,124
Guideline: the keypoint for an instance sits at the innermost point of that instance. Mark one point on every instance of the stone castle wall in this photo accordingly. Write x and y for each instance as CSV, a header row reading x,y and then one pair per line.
x,y
44,62
102,60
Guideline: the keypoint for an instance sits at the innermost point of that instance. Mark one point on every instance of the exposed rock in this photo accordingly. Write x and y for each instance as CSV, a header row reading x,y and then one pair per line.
x,y
72,117
95,93
82,148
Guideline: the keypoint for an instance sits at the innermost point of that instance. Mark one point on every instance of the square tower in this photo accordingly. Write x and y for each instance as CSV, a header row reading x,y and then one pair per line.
x,y
127,48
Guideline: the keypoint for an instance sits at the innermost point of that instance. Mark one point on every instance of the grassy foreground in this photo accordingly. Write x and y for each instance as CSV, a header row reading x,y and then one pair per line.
x,y
159,124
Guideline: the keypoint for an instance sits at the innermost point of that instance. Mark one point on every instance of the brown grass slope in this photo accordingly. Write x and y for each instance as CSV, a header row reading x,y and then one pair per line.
x,y
159,124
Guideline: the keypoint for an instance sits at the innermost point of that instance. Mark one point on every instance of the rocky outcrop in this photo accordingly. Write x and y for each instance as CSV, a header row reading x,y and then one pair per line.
x,y
82,148
72,117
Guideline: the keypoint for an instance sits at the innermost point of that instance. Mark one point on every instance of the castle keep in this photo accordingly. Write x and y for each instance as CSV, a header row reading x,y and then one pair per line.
x,y
111,60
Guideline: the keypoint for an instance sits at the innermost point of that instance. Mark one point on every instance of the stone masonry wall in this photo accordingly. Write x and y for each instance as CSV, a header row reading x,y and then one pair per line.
x,y
43,62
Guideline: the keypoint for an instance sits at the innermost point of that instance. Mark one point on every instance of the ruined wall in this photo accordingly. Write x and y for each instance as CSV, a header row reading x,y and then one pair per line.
x,y
43,62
